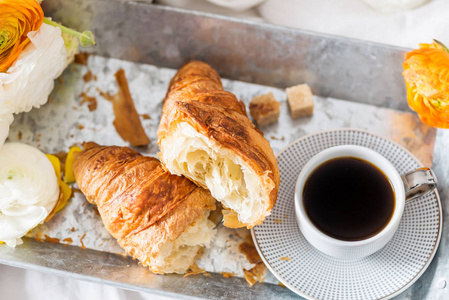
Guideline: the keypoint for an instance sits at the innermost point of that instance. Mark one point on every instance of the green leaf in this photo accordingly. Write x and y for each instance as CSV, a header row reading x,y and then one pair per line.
x,y
87,39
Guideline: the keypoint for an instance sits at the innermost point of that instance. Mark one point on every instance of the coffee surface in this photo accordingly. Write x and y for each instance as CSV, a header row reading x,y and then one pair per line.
x,y
348,199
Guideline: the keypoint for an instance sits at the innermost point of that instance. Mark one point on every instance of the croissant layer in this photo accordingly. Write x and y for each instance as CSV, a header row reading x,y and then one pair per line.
x,y
206,135
141,204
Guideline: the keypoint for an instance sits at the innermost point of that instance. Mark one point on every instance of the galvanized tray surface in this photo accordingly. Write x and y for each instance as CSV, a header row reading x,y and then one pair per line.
x,y
271,58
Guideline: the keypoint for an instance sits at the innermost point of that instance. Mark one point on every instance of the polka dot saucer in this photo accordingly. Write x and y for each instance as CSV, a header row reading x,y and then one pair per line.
x,y
314,275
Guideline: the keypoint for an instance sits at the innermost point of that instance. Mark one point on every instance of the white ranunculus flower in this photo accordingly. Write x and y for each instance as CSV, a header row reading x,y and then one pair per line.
x,y
30,79
6,119
28,190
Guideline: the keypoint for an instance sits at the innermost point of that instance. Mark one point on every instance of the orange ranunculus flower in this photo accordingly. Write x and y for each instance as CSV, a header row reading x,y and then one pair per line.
x,y
426,75
17,18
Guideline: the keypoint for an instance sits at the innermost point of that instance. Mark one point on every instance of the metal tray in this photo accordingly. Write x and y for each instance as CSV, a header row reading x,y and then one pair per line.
x,y
253,52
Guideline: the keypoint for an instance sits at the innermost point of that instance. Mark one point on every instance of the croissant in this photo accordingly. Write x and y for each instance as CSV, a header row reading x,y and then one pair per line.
x,y
158,218
206,135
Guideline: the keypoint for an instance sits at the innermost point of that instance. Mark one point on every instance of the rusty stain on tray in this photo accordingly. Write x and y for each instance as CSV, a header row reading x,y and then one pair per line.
x,y
407,130
145,116
91,101
81,241
88,76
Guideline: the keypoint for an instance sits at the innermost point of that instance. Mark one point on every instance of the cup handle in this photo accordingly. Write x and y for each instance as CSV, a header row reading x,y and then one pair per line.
x,y
418,183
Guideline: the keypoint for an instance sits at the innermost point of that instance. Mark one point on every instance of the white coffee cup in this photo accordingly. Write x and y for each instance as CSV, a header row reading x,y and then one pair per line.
x,y
406,187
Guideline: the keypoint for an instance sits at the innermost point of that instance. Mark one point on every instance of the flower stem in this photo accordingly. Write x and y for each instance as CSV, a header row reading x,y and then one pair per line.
x,y
63,28
86,38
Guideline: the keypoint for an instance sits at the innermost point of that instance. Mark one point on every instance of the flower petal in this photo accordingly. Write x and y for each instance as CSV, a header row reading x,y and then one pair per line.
x,y
29,190
426,74
30,80
17,18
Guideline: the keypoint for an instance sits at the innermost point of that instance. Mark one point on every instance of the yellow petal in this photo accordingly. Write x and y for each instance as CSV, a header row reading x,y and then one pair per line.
x,y
66,193
65,190
56,165
69,176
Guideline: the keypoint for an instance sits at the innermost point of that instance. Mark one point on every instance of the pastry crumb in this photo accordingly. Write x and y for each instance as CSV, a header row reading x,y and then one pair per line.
x,y
91,101
249,250
228,274
256,273
81,58
277,221
38,237
277,139
195,270
286,258
51,240
68,240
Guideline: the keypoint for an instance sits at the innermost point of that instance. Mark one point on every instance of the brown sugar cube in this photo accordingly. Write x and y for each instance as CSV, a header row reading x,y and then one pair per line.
x,y
300,100
264,109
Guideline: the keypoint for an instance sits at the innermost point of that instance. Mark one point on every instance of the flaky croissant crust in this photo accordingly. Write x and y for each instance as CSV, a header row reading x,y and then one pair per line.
x,y
196,96
140,203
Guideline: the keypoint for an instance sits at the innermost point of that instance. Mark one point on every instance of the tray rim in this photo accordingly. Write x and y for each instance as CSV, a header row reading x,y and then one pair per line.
x,y
37,267
429,260
266,24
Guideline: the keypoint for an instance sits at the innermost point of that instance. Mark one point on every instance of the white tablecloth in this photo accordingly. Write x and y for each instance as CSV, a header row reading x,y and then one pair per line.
x,y
350,18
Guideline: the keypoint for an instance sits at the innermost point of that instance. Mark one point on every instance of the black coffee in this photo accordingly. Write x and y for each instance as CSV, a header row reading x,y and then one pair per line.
x,y
348,199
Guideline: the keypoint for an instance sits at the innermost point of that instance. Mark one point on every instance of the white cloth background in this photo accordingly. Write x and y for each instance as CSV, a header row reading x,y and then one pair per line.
x,y
355,19
350,18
